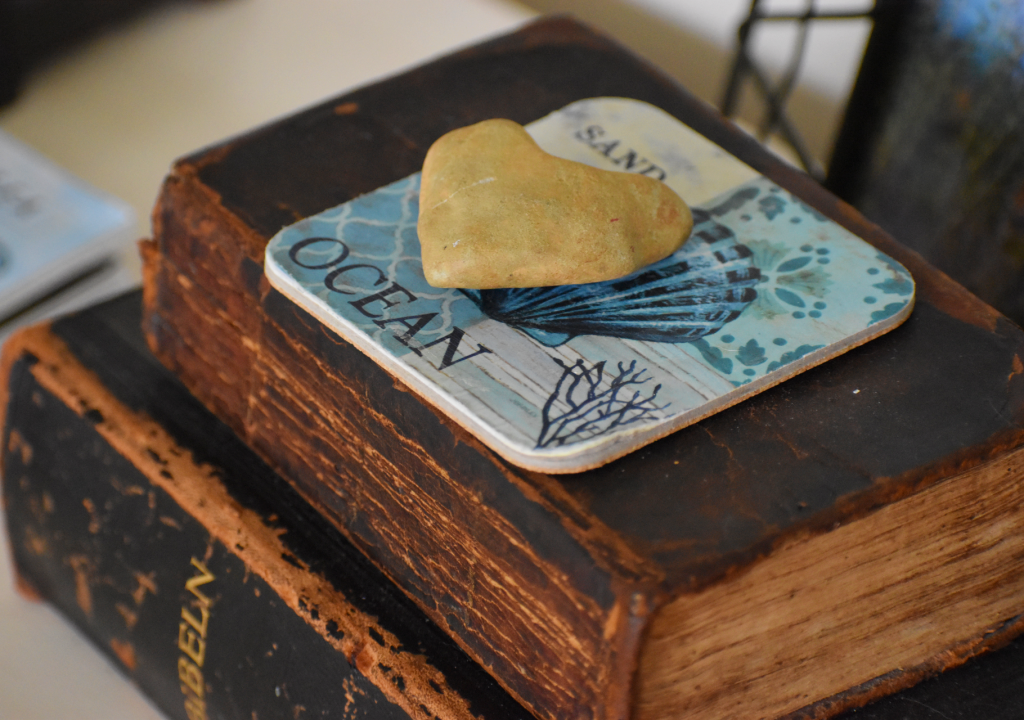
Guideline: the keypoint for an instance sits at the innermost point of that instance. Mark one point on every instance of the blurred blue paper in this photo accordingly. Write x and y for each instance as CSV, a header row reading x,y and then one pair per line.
x,y
53,227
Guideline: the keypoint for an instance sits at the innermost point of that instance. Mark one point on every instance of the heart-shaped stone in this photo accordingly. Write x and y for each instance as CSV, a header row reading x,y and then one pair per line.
x,y
497,211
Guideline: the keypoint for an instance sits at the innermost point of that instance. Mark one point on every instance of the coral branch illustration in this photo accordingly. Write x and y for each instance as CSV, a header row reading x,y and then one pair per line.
x,y
582,405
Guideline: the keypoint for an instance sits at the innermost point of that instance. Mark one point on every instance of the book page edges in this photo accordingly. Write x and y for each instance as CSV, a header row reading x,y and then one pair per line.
x,y
926,582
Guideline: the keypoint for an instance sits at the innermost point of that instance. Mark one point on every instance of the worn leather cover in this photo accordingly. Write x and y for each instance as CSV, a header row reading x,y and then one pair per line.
x,y
136,558
120,490
550,582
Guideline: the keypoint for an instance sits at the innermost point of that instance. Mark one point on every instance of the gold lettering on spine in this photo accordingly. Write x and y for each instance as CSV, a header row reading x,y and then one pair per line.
x,y
191,677
192,643
199,626
193,583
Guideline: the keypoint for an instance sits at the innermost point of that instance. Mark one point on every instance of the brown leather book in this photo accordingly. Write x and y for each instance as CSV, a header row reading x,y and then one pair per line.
x,y
839,536
285,616
187,561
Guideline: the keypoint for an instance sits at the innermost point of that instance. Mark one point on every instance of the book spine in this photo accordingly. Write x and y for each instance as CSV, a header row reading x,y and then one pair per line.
x,y
212,603
542,605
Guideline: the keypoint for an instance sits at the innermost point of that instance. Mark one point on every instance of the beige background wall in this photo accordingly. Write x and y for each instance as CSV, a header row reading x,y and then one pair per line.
x,y
694,41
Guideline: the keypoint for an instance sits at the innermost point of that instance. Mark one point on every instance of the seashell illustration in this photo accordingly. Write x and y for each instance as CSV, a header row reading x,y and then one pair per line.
x,y
691,293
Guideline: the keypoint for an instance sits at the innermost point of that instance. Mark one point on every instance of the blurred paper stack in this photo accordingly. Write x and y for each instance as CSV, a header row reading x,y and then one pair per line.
x,y
60,239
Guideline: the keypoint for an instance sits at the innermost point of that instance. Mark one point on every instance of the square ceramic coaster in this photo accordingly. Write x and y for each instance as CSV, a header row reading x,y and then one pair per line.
x,y
562,379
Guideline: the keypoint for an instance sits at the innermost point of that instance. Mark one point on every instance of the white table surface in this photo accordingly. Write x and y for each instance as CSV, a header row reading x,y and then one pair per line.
x,y
116,112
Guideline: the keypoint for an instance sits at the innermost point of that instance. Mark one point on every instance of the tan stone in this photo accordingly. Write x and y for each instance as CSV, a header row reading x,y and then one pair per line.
x,y
497,211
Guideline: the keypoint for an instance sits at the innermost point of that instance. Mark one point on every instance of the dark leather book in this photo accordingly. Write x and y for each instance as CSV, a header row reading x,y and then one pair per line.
x,y
127,502
185,559
836,538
